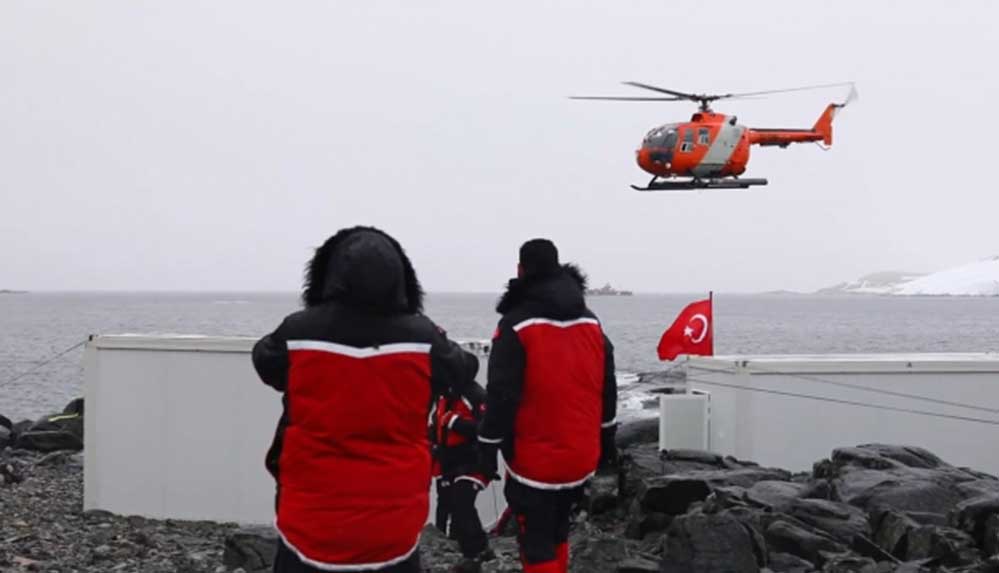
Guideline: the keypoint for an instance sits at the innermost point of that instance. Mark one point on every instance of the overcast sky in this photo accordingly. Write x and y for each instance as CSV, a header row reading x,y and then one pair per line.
x,y
212,145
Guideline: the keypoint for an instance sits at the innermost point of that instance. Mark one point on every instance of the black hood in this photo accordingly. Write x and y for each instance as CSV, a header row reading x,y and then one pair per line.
x,y
363,267
557,295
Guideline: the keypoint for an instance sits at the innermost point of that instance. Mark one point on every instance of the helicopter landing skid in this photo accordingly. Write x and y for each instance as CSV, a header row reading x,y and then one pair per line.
x,y
693,184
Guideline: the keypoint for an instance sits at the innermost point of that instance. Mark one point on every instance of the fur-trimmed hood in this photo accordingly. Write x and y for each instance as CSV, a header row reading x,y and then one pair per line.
x,y
557,295
363,267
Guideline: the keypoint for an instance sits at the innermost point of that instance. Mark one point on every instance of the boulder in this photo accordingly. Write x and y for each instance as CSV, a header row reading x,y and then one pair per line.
x,y
5,437
891,529
632,432
638,565
784,535
672,494
917,495
851,564
841,521
603,491
75,406
251,548
943,544
787,563
972,515
990,541
51,433
776,495
709,543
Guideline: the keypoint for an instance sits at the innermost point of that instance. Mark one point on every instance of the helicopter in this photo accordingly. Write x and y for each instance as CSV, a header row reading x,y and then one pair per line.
x,y
711,151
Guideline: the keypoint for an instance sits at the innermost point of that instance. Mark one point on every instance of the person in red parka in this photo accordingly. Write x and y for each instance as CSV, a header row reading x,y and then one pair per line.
x,y
357,368
551,402
456,419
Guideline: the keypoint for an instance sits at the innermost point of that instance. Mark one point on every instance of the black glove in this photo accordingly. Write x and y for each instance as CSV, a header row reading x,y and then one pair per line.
x,y
608,447
487,460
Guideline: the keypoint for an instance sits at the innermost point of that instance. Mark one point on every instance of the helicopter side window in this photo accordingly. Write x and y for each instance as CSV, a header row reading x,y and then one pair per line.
x,y
703,137
688,140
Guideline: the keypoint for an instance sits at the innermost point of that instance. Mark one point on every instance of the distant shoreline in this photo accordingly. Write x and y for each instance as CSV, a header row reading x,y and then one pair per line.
x,y
6,291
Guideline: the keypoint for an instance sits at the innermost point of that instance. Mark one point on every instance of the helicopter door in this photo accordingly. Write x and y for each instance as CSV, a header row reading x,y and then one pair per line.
x,y
688,140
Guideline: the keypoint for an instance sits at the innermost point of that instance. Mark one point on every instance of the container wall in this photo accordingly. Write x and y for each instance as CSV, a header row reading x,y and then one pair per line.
x,y
794,432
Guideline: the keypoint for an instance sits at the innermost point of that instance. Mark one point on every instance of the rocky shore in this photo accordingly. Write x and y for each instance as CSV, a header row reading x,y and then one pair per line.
x,y
869,509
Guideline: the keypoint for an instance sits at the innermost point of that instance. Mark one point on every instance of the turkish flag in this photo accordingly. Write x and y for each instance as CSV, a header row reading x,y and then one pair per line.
x,y
691,333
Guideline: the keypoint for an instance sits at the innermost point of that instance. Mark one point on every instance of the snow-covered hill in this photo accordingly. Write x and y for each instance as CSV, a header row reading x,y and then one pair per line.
x,y
980,278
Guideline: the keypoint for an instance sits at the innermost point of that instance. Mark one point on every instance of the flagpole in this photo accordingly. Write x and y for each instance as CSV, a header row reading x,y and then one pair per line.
x,y
711,305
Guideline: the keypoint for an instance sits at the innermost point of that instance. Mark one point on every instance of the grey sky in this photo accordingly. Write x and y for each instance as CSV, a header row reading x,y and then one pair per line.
x,y
192,145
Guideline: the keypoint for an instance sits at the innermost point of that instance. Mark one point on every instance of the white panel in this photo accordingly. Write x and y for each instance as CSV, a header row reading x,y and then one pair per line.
x,y
683,421
794,432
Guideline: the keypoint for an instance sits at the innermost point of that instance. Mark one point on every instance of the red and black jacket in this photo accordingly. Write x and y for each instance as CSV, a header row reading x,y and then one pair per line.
x,y
552,392
358,369
455,426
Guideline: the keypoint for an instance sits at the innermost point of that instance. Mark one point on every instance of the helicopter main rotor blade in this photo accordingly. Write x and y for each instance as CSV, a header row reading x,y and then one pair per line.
x,y
615,98
786,90
680,95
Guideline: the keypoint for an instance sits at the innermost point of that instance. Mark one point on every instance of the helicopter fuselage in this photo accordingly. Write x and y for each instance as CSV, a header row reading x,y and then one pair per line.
x,y
713,145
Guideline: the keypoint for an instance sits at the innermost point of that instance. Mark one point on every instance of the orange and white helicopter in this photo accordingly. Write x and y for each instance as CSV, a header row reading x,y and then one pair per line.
x,y
711,151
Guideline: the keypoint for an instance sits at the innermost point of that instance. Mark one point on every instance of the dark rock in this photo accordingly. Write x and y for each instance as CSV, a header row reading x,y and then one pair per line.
x,y
708,459
19,428
971,515
787,563
990,541
978,487
10,473
928,518
941,543
6,438
703,543
744,477
640,522
52,433
638,565
61,457
644,431
5,422
603,491
797,539
777,495
671,494
849,564
891,529
74,407
921,496
598,552
638,463
910,456
841,521
251,548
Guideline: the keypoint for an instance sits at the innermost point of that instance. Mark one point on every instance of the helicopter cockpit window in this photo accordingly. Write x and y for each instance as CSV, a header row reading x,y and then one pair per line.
x,y
703,137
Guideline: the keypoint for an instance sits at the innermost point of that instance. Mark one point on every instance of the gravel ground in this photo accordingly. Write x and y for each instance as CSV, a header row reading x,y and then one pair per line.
x,y
43,526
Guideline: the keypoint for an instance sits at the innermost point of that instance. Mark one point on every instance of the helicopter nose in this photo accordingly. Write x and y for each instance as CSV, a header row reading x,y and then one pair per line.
x,y
652,161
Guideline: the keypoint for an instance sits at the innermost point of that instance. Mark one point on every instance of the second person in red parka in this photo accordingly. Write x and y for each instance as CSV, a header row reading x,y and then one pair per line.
x,y
552,400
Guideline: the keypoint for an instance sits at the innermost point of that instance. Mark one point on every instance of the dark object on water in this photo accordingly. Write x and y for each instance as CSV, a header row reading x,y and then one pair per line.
x,y
607,290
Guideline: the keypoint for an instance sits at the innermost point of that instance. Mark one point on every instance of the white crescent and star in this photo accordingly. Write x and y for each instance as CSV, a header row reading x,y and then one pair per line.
x,y
688,331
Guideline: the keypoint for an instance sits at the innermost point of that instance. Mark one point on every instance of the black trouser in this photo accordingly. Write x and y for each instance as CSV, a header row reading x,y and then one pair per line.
x,y
466,526
543,516
443,513
286,561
